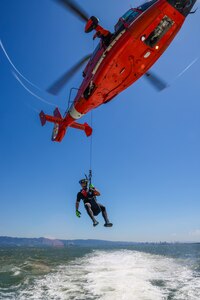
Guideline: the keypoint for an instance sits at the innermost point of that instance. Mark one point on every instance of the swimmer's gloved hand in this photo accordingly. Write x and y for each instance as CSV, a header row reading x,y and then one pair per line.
x,y
91,187
78,213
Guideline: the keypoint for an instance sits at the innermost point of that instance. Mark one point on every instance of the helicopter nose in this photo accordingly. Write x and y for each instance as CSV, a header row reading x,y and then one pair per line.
x,y
183,6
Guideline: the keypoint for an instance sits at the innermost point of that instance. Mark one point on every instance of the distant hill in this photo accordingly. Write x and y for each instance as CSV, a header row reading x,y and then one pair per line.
x,y
44,242
28,242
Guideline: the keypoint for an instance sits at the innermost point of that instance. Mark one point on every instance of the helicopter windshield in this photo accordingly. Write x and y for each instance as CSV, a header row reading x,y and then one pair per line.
x,y
127,19
146,5
130,15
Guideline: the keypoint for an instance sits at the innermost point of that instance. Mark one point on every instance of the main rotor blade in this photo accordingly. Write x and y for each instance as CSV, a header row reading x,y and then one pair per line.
x,y
57,86
157,82
75,9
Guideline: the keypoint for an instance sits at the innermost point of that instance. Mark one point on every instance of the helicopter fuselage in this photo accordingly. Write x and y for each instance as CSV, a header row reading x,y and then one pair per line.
x,y
136,45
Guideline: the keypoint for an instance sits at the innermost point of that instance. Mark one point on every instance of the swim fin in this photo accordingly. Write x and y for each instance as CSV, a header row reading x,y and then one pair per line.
x,y
108,224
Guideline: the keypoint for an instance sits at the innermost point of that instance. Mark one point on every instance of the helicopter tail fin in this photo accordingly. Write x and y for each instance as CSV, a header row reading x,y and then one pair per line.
x,y
42,118
52,119
85,127
57,113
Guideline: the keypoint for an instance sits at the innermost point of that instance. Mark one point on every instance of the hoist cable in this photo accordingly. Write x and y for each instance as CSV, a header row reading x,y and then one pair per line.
x,y
91,149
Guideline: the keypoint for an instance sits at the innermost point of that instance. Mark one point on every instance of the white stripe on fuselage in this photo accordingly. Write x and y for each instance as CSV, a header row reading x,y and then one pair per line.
x,y
74,113
106,51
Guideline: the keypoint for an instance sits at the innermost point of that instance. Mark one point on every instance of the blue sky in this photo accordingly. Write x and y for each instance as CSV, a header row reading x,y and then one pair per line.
x,y
146,144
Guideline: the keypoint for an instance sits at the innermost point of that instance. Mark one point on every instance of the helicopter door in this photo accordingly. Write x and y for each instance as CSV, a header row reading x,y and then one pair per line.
x,y
156,35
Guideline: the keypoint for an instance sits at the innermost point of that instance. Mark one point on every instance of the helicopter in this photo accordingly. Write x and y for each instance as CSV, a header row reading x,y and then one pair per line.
x,y
121,57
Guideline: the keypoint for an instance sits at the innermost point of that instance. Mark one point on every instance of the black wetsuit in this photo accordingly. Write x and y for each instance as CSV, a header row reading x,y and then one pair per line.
x,y
88,196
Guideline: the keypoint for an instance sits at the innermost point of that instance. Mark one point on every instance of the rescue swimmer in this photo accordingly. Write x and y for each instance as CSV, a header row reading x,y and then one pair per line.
x,y
93,208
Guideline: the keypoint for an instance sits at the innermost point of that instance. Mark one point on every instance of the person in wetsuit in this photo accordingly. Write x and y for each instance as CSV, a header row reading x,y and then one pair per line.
x,y
92,207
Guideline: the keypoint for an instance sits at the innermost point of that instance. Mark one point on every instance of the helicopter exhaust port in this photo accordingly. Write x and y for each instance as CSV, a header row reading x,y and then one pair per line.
x,y
91,24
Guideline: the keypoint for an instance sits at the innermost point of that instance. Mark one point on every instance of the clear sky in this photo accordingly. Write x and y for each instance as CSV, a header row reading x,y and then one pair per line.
x,y
146,145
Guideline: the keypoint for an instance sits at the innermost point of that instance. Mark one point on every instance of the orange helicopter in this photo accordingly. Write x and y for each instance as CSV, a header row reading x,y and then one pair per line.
x,y
140,37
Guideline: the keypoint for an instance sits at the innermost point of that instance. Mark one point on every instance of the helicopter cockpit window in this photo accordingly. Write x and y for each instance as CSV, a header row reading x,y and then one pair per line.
x,y
146,5
130,16
126,19
119,26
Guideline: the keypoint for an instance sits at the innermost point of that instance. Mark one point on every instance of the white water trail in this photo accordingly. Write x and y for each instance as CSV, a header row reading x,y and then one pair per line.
x,y
117,275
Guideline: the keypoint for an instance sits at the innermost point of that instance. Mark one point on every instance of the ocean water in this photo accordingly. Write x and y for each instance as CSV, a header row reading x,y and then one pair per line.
x,y
140,272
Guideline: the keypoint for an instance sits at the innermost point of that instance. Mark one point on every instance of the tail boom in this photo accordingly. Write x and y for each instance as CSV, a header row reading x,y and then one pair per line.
x,y
60,125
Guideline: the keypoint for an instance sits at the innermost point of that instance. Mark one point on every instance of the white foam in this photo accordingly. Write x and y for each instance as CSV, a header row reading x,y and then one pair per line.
x,y
117,275
16,271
